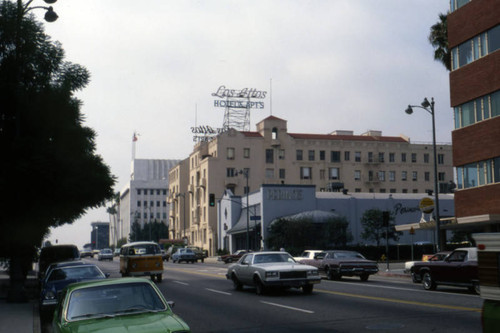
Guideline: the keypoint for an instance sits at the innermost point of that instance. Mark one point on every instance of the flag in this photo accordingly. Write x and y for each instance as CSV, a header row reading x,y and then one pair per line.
x,y
134,137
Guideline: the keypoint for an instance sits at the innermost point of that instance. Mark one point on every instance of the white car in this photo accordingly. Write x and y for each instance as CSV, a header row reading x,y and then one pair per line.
x,y
426,257
273,269
307,254
105,254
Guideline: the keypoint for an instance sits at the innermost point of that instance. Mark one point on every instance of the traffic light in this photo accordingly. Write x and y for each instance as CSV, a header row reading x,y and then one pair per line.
x,y
211,200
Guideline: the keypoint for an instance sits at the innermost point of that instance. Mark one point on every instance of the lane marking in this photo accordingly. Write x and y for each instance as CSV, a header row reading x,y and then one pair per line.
x,y
392,300
287,307
218,291
183,283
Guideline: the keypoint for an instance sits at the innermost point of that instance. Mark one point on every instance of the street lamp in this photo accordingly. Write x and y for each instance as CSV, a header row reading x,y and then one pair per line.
x,y
50,15
429,107
245,174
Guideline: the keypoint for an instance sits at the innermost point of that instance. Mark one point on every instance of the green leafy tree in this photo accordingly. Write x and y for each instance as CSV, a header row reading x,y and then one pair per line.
x,y
438,37
50,173
153,231
374,228
297,235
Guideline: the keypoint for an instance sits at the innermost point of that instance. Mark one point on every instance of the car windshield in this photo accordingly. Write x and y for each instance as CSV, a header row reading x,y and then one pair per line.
x,y
145,249
272,257
112,300
76,272
106,251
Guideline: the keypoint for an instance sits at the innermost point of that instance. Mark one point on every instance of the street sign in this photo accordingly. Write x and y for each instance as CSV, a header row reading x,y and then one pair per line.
x,y
255,218
412,231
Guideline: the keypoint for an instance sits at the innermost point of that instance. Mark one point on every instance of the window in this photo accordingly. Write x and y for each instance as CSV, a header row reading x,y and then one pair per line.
x,y
231,172
440,158
381,176
321,155
427,176
480,109
404,175
281,154
405,190
269,156
357,174
357,156
145,203
305,173
370,157
475,48
274,134
334,173
347,155
381,157
270,173
322,174
382,190
164,204
230,153
151,192
158,203
441,176
139,191
392,190
164,192
455,4
138,204
392,176
413,157
282,173
370,175
299,154
335,156
392,157
403,157
151,203
246,152
311,155
426,158
414,175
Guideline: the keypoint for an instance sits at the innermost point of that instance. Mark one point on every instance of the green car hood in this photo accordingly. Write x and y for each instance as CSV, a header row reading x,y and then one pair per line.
x,y
144,322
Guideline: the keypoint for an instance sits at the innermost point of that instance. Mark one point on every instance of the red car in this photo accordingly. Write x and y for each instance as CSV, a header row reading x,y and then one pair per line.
x,y
229,258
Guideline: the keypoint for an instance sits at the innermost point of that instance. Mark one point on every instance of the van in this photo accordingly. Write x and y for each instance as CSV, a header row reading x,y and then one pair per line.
x,y
55,253
141,259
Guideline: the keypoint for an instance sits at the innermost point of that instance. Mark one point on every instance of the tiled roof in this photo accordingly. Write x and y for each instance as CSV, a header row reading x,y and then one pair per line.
x,y
252,134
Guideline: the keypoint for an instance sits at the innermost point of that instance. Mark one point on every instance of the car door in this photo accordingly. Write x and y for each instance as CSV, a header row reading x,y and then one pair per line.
x,y
244,269
452,269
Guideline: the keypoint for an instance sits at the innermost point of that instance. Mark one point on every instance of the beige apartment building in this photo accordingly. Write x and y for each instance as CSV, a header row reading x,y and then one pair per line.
x,y
340,161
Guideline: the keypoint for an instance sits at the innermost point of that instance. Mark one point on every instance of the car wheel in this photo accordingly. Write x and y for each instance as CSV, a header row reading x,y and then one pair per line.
x,y
236,283
364,277
260,289
307,289
428,282
203,260
331,275
475,288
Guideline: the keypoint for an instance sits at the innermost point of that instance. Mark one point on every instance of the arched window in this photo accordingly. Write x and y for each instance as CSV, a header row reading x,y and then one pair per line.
x,y
275,133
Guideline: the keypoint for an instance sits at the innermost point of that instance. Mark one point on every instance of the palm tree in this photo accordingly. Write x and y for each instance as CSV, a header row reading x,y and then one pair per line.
x,y
438,37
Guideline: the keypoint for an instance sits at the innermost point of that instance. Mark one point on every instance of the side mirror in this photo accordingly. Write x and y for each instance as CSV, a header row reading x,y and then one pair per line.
x,y
171,304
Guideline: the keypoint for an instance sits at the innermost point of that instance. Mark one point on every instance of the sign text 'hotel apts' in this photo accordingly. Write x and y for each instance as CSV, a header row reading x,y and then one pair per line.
x,y
234,98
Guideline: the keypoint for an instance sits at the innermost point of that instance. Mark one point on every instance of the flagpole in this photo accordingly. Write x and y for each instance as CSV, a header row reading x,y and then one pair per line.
x,y
134,140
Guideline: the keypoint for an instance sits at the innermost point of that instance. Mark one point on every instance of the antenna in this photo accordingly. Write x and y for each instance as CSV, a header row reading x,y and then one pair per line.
x,y
271,95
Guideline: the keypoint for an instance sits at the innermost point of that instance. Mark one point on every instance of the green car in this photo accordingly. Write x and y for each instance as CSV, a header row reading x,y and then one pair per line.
x,y
115,305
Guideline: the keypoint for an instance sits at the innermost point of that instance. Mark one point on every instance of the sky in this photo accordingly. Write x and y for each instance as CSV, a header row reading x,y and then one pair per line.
x,y
325,65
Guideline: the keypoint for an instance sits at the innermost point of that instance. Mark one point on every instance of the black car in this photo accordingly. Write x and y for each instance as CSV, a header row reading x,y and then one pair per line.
x,y
55,253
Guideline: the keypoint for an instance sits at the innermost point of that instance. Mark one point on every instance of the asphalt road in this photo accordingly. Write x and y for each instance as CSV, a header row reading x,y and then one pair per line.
x,y
208,303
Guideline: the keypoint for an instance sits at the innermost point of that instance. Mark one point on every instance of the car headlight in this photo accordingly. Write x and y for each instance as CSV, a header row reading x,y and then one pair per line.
x,y
50,295
272,274
313,273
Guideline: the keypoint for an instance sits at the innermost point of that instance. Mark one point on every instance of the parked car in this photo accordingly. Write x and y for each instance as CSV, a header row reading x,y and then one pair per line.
x,y
273,269
426,257
183,254
336,263
60,277
200,253
115,305
105,254
459,268
307,254
141,259
116,253
55,253
229,258
58,265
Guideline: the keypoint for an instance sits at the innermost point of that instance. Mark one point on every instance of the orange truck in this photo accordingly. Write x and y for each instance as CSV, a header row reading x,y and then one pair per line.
x,y
141,259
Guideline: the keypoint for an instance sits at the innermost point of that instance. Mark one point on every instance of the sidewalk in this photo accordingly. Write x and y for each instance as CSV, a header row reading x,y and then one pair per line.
x,y
19,317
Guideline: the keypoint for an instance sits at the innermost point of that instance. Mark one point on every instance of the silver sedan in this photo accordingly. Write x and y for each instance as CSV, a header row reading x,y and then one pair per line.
x,y
265,270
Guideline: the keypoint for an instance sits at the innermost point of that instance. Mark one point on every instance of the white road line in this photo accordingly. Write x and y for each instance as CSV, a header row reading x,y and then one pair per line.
x,y
218,291
287,307
183,283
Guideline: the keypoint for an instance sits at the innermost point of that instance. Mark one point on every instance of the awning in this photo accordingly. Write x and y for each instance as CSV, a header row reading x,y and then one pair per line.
x,y
241,225
445,223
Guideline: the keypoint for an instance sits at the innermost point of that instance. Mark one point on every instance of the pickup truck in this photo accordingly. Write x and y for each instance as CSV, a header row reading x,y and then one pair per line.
x,y
336,263
488,253
459,268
